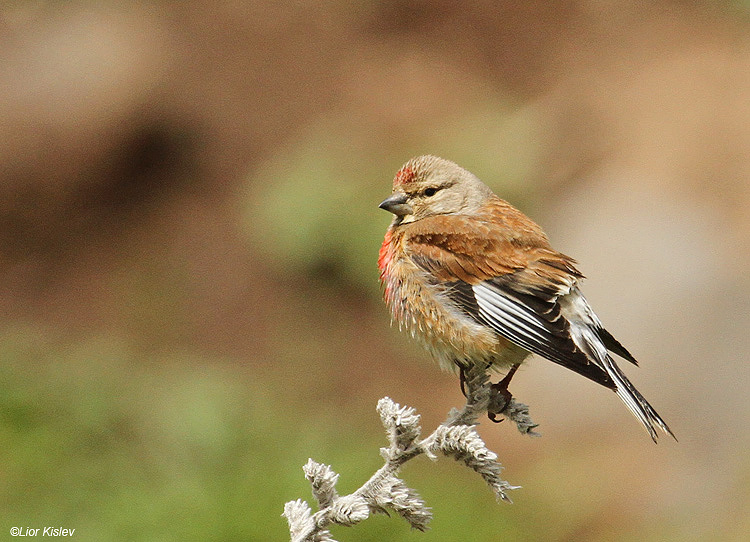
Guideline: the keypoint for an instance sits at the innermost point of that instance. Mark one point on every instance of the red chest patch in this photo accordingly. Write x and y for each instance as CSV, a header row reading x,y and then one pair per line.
x,y
386,254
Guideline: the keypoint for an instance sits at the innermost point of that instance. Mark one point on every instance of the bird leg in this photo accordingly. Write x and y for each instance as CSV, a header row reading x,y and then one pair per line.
x,y
461,375
499,395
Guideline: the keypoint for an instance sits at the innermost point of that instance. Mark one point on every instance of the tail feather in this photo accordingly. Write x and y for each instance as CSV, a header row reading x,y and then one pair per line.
x,y
633,399
589,335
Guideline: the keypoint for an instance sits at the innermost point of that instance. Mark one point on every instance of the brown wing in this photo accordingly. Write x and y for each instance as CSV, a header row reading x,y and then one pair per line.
x,y
499,241
508,279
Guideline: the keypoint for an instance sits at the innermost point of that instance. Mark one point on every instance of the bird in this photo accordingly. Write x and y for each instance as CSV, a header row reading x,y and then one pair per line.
x,y
476,281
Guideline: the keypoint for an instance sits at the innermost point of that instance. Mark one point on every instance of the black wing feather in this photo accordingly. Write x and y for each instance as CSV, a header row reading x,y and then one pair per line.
x,y
532,322
614,346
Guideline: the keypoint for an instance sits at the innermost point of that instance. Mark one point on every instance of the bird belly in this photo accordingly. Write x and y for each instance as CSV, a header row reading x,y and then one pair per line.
x,y
424,310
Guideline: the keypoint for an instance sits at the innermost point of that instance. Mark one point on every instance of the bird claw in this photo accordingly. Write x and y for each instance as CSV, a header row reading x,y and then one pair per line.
x,y
462,376
493,417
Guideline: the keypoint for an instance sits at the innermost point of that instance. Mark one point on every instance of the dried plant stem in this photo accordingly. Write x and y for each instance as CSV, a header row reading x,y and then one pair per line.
x,y
456,437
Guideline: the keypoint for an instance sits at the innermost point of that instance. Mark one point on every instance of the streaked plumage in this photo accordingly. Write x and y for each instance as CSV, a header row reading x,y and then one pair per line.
x,y
476,281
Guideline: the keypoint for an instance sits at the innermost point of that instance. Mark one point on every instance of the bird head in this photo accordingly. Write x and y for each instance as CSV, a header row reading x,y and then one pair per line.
x,y
427,186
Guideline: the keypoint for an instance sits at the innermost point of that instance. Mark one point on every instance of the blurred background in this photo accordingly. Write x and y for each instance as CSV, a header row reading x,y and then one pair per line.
x,y
189,300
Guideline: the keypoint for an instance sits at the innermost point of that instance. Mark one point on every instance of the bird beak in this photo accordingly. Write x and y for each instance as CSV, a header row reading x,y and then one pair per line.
x,y
396,204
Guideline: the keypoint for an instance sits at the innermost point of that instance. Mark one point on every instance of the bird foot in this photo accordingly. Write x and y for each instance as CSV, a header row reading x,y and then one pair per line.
x,y
500,397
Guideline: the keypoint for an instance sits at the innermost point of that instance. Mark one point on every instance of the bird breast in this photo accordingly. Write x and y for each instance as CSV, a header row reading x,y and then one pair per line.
x,y
422,307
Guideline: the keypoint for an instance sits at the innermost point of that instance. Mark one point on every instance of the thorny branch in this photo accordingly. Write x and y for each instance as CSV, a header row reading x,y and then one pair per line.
x,y
456,437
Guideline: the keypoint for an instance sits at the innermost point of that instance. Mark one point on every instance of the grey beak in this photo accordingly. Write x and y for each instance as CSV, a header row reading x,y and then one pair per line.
x,y
396,204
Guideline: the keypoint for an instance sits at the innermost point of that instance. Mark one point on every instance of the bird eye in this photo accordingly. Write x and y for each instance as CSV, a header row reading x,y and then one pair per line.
x,y
430,191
